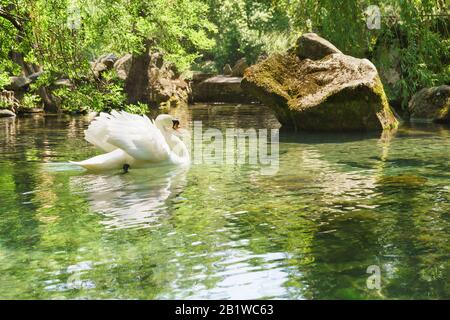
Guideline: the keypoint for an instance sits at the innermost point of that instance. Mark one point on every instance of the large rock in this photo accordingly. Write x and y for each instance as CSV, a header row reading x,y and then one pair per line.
x,y
227,71
153,81
313,47
18,83
239,68
219,89
431,104
335,93
123,66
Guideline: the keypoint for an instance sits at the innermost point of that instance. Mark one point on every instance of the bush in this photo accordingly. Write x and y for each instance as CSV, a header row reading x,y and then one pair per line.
x,y
89,96
30,101
4,80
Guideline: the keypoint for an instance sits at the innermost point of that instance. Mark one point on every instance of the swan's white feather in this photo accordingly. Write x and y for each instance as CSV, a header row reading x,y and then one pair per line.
x,y
97,133
134,140
108,161
136,135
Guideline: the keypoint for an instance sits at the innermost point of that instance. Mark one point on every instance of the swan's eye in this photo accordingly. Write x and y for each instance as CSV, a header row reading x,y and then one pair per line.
x,y
176,124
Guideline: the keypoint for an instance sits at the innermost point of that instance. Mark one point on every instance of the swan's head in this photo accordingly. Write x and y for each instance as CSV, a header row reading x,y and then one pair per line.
x,y
166,122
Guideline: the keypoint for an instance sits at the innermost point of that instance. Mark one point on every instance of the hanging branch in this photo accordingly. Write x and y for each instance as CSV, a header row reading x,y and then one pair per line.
x,y
14,20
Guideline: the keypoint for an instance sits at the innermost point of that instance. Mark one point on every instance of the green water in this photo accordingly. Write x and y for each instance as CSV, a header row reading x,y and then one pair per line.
x,y
338,204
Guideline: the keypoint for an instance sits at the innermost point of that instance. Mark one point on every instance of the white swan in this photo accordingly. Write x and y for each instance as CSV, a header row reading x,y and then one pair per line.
x,y
133,141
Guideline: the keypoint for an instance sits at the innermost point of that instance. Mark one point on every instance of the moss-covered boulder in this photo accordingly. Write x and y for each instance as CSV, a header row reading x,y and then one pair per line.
x,y
431,104
335,93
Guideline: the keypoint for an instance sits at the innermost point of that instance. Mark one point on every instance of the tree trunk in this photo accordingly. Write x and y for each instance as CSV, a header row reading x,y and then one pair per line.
x,y
50,103
136,84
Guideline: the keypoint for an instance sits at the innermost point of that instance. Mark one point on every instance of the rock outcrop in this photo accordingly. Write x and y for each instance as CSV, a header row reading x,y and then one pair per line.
x,y
321,89
220,88
431,104
311,46
9,100
19,83
123,66
239,68
103,63
153,81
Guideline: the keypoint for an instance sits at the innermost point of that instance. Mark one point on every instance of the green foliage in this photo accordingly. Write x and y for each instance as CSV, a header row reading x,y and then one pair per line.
x,y
424,51
243,26
139,108
30,100
87,96
4,80
3,104
62,37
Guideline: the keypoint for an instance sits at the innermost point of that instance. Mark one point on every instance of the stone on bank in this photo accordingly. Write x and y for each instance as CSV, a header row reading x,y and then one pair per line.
x,y
431,105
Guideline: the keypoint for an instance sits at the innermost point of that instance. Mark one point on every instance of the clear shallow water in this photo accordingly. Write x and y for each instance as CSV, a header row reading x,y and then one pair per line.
x,y
338,204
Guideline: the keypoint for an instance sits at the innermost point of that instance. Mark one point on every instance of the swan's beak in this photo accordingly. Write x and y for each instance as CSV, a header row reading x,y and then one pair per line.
x,y
176,124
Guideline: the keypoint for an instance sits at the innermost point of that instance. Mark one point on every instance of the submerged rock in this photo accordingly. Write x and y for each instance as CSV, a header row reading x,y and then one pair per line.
x,y
219,89
335,93
402,181
431,104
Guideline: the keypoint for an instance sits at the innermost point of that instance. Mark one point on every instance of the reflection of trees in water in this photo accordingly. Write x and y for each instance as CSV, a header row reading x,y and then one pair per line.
x,y
28,194
381,223
310,232
307,218
364,222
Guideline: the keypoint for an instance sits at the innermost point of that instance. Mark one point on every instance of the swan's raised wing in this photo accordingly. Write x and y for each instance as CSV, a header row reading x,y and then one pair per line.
x,y
97,133
136,135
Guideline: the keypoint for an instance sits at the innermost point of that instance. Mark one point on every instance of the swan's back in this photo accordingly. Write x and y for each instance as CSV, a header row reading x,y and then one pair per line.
x,y
136,135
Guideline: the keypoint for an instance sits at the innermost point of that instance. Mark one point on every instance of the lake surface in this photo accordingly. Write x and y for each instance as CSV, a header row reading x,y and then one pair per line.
x,y
337,204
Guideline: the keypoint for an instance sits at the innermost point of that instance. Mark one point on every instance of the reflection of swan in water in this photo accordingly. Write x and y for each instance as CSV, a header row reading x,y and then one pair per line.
x,y
136,199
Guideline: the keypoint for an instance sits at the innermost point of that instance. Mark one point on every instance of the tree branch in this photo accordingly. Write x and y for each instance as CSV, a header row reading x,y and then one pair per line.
x,y
11,18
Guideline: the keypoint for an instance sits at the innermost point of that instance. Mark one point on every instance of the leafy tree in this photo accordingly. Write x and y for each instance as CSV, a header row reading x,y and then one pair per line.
x,y
424,47
63,36
246,29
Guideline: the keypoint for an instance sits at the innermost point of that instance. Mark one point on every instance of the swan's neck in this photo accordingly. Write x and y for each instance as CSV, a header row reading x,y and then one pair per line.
x,y
176,145
168,136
